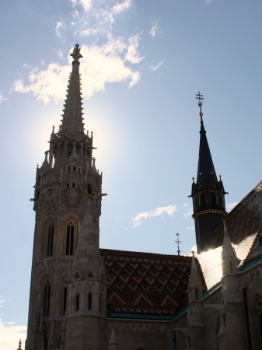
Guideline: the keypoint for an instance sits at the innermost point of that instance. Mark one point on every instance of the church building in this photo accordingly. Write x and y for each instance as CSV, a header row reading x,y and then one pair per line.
x,y
83,297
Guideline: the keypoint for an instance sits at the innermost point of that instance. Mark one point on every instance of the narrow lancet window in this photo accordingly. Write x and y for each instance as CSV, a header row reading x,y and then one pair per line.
x,y
70,240
89,302
77,302
64,300
50,238
46,299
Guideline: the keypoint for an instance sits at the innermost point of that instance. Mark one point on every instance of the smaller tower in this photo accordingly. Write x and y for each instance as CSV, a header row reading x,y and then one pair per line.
x,y
207,192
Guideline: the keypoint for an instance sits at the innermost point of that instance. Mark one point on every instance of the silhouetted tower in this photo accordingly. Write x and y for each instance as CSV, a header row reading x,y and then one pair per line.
x,y
67,202
207,192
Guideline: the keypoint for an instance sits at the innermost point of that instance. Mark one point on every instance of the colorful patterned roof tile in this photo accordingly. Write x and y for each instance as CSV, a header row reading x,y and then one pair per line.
x,y
146,283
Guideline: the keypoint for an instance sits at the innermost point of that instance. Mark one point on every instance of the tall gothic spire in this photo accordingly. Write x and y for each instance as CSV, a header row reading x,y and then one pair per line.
x,y
207,193
72,122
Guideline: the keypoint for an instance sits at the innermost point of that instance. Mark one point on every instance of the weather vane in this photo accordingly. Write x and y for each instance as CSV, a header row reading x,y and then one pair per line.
x,y
200,99
178,242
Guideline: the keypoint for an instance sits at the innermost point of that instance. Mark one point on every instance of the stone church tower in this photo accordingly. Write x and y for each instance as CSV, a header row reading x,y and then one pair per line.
x,y
68,287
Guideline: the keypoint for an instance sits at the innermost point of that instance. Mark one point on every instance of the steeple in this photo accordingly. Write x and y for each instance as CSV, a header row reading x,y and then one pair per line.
x,y
72,122
207,193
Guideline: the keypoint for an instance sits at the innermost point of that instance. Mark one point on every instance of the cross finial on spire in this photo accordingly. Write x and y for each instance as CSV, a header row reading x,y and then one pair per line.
x,y
19,345
76,53
177,241
200,99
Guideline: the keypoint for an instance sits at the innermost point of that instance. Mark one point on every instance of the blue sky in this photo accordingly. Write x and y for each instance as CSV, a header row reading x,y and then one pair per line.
x,y
143,63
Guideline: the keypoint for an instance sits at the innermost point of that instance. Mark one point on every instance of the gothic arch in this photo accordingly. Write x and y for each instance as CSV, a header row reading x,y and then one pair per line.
x,y
63,294
70,231
45,286
47,233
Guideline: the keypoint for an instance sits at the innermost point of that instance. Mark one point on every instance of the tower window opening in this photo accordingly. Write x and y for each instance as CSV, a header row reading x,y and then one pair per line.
x,y
69,153
50,237
213,199
202,199
46,299
73,184
89,302
74,168
197,296
68,168
67,185
77,302
64,300
70,240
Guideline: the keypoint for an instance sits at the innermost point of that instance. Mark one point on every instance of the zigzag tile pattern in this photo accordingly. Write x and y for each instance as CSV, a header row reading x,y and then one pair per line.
x,y
146,283
244,220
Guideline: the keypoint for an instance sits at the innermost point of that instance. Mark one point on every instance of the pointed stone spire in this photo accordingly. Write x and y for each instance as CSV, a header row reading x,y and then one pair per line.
x,y
206,170
195,283
45,162
72,123
112,343
229,258
88,246
19,345
207,192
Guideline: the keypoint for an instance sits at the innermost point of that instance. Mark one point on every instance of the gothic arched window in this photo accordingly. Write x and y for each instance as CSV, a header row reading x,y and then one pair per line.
x,y
70,239
50,238
77,301
63,295
213,199
46,304
89,301
202,200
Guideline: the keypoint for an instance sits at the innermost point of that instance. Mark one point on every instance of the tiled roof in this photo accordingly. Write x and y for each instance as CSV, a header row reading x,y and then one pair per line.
x,y
146,283
244,220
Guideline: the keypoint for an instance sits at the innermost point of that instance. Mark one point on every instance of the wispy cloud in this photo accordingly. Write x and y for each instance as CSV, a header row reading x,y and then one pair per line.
x,y
86,4
59,25
2,99
208,1
153,68
132,54
190,228
154,28
101,65
122,6
230,206
139,218
10,335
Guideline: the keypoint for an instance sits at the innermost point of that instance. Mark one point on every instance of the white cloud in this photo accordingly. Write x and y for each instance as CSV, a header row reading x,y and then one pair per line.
x,y
85,3
10,334
59,25
230,206
169,210
101,65
132,55
119,7
190,228
2,99
154,28
153,68
59,53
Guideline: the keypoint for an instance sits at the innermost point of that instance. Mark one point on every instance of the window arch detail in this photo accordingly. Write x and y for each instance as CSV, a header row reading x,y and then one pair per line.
x,y
70,232
46,301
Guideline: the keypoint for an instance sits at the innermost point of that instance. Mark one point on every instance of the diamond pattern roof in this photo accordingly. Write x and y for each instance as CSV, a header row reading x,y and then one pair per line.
x,y
146,283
